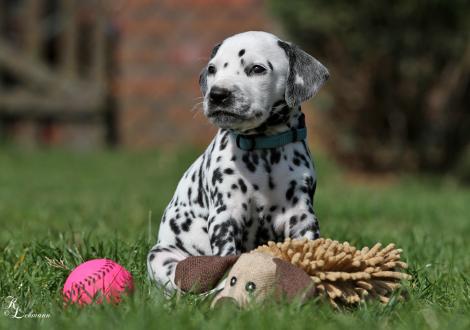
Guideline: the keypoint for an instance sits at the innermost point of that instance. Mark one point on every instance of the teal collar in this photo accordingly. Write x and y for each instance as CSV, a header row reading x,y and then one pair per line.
x,y
252,142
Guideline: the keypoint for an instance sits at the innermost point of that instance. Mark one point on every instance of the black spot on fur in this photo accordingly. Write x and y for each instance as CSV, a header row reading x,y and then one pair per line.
x,y
290,191
293,221
242,185
217,176
189,193
275,156
225,64
262,236
241,52
179,244
271,183
201,194
186,225
302,157
224,141
248,162
169,261
215,50
221,209
174,227
270,65
228,171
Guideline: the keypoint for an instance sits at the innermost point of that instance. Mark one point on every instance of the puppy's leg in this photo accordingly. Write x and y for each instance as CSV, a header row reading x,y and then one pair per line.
x,y
224,234
161,265
304,225
301,222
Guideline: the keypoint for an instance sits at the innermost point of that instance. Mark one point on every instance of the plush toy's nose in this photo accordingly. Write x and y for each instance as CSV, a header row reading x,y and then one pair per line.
x,y
226,301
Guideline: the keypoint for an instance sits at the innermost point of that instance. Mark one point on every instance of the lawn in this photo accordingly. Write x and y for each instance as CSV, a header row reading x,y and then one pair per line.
x,y
57,206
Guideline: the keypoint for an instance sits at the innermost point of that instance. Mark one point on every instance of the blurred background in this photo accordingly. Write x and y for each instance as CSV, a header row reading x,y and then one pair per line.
x,y
94,74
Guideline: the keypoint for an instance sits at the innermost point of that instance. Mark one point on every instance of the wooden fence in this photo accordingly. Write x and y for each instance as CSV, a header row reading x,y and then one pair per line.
x,y
53,57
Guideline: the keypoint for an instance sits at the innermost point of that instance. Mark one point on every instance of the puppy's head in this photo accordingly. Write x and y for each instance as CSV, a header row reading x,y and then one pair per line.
x,y
251,73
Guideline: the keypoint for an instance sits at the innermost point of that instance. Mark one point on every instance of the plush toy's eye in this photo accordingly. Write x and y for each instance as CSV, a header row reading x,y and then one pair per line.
x,y
257,69
233,281
250,287
211,69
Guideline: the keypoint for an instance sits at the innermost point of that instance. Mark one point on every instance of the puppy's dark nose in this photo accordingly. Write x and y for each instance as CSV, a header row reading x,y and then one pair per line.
x,y
219,96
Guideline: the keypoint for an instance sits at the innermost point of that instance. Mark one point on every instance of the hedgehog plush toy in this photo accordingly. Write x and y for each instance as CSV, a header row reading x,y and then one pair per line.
x,y
301,269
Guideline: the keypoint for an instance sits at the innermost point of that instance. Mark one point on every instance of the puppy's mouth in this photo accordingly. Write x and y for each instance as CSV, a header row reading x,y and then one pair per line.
x,y
226,119
226,115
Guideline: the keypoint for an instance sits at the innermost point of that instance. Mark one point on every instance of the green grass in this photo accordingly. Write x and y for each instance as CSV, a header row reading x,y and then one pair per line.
x,y
73,207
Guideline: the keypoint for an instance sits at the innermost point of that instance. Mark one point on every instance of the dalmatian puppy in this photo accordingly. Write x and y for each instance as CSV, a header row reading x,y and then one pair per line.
x,y
256,181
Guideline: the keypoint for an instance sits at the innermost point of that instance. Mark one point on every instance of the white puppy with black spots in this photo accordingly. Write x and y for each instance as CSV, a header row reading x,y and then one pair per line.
x,y
256,181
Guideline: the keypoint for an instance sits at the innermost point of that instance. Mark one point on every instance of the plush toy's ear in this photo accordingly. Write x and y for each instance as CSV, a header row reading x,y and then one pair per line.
x,y
305,75
292,281
203,75
200,274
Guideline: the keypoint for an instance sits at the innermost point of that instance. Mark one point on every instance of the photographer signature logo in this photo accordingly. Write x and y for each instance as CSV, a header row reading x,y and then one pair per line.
x,y
12,309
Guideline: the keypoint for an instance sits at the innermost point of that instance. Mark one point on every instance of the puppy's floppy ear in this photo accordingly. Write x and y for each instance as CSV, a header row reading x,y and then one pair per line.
x,y
203,75
202,273
292,282
305,74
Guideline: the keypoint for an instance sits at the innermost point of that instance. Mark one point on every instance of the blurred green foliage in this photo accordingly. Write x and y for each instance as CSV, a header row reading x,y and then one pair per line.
x,y
400,77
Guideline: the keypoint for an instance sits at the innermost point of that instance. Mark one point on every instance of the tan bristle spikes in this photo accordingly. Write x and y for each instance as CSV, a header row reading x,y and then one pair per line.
x,y
341,272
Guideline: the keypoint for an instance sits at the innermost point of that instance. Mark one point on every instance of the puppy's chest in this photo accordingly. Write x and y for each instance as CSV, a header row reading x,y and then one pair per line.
x,y
259,177
250,171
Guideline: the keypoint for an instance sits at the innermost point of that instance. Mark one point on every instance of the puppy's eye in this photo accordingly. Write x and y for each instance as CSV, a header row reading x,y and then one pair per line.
x,y
211,69
257,69
233,281
250,287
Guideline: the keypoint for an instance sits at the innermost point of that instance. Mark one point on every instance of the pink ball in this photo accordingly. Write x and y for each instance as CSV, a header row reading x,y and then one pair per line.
x,y
95,279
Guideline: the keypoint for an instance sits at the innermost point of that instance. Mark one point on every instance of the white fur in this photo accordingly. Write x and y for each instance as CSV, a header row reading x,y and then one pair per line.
x,y
257,92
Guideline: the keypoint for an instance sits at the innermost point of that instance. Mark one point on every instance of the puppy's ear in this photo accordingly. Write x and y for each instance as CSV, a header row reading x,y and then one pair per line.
x,y
203,75
202,273
305,75
292,282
